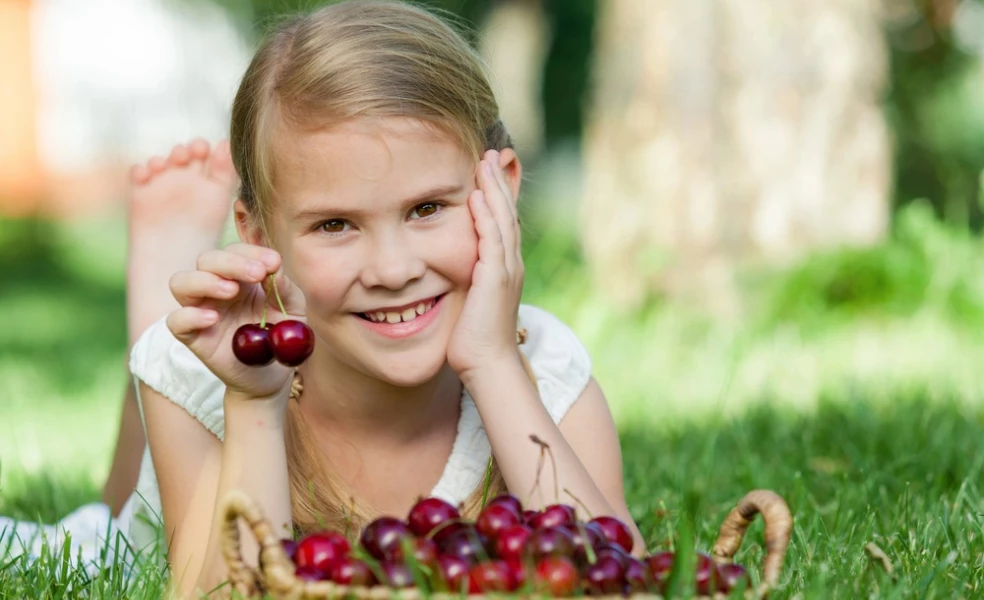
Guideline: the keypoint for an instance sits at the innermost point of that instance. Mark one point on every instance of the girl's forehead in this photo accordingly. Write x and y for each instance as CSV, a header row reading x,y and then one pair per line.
x,y
377,158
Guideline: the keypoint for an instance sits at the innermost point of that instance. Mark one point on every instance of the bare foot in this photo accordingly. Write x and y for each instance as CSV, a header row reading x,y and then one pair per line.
x,y
178,207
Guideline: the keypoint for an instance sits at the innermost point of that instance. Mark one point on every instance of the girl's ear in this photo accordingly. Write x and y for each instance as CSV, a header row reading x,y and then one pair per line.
x,y
249,231
512,169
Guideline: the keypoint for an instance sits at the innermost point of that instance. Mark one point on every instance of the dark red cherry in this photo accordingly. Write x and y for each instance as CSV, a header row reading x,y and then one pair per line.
x,y
732,576
310,574
637,577
467,544
529,516
551,541
451,574
490,576
595,538
616,531
321,550
251,345
508,500
553,515
429,513
604,577
519,572
445,531
512,542
397,575
706,575
289,546
352,571
557,576
660,566
615,552
423,550
495,518
382,536
292,342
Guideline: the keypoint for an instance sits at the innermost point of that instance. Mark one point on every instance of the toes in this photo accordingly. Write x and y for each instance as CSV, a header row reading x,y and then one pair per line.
x,y
139,174
180,155
198,148
220,165
156,165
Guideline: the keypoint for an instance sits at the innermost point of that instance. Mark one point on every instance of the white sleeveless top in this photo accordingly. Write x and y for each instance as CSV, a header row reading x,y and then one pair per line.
x,y
559,362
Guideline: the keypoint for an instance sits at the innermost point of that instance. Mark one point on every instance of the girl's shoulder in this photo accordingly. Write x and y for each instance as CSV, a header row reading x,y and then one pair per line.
x,y
167,366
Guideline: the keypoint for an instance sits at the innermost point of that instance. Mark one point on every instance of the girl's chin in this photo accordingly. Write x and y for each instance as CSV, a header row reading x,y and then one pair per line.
x,y
409,375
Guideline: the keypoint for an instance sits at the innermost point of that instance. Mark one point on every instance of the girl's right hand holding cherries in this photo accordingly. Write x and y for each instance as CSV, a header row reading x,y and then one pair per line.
x,y
236,317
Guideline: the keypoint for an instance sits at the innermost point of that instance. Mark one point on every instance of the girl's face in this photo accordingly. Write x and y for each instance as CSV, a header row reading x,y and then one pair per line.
x,y
373,225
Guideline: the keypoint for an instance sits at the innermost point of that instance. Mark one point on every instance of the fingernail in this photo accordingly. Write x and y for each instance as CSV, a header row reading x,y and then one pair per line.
x,y
487,166
228,287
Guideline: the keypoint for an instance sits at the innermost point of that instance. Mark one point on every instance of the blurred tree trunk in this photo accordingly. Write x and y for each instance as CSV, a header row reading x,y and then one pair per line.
x,y
730,132
514,41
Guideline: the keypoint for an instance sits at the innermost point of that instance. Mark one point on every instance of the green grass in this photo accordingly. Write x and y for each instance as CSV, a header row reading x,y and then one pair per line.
x,y
869,422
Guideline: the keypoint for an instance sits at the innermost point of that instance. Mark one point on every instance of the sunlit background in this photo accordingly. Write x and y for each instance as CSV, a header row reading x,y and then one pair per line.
x,y
733,203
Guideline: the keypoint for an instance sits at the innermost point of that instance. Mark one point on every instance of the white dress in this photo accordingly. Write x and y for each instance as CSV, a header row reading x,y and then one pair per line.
x,y
558,359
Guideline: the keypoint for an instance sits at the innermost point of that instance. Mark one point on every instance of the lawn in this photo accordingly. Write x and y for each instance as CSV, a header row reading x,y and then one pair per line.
x,y
869,421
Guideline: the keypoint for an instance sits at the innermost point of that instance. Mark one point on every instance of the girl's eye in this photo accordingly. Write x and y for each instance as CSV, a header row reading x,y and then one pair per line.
x,y
333,226
426,210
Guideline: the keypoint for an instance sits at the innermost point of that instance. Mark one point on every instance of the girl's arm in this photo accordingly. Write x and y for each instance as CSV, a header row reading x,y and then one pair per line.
x,y
195,471
585,446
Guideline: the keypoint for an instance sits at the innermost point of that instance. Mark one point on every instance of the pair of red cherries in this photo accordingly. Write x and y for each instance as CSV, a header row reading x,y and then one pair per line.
x,y
290,342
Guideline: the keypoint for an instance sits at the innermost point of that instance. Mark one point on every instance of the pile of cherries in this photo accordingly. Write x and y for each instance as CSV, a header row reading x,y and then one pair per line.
x,y
506,549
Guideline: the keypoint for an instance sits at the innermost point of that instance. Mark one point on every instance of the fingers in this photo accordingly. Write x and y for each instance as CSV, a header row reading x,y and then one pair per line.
x,y
187,321
499,202
240,262
490,244
190,288
290,295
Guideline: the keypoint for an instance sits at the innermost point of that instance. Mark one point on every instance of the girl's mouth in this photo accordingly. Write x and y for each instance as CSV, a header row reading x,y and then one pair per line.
x,y
408,314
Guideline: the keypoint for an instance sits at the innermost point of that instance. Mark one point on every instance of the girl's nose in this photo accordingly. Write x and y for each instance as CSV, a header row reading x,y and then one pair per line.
x,y
392,264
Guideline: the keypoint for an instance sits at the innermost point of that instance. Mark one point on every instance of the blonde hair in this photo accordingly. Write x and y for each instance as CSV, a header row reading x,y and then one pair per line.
x,y
344,61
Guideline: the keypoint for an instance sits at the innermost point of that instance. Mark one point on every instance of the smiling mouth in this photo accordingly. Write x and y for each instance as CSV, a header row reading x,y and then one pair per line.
x,y
408,314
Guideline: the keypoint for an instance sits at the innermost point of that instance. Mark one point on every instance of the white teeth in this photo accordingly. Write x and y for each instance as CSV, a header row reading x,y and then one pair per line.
x,y
408,314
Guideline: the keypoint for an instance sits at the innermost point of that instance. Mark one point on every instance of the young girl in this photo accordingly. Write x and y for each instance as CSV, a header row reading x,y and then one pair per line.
x,y
378,197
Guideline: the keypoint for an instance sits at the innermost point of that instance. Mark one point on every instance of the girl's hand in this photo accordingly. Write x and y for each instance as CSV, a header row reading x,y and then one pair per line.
x,y
485,332
228,290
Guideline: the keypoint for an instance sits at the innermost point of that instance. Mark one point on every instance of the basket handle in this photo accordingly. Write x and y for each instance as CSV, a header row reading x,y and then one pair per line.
x,y
778,530
245,580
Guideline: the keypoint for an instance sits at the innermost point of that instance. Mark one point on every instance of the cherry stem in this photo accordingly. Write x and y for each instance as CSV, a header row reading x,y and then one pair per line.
x,y
273,283
544,449
263,319
579,503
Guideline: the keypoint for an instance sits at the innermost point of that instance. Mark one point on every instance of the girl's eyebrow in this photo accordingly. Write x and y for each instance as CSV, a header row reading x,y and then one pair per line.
x,y
437,192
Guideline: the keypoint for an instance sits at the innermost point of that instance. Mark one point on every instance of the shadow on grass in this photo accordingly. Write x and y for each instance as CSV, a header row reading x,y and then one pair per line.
x,y
56,315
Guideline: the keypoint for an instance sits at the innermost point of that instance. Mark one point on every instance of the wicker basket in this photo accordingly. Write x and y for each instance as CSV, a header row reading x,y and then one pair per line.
x,y
276,576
